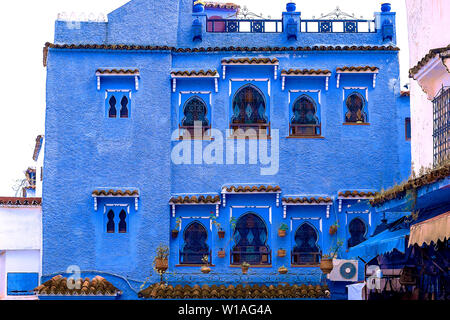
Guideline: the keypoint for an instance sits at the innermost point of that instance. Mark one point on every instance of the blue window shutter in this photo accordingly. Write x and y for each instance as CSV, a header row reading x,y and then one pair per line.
x,y
21,284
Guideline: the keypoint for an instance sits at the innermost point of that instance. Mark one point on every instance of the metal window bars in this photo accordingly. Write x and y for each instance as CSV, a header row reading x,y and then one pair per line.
x,y
441,127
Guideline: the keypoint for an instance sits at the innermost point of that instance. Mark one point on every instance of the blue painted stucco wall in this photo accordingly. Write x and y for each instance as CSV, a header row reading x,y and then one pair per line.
x,y
85,150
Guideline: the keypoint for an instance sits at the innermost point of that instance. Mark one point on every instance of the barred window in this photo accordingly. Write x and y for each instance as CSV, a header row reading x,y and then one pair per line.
x,y
355,108
195,245
306,250
441,126
304,121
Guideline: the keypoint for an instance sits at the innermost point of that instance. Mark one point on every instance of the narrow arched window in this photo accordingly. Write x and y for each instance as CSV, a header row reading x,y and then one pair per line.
x,y
304,121
306,250
195,245
249,106
195,112
250,237
123,222
110,226
124,108
357,229
112,113
355,104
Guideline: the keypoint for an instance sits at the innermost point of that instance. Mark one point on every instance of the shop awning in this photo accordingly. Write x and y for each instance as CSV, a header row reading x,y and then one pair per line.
x,y
432,230
382,243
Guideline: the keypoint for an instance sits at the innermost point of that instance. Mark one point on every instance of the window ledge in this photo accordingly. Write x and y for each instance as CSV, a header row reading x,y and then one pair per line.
x,y
356,124
249,138
253,266
195,139
193,265
305,265
305,137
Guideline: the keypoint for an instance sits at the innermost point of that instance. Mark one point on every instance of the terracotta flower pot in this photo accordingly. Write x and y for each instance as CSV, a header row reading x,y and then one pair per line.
x,y
282,270
281,253
326,265
281,233
161,265
205,269
221,234
244,270
175,234
333,230
221,254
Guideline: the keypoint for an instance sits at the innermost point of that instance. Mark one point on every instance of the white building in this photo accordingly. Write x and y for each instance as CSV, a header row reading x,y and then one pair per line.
x,y
429,45
20,247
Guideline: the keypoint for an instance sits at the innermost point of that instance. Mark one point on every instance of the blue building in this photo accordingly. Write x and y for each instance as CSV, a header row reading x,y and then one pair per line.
x,y
197,128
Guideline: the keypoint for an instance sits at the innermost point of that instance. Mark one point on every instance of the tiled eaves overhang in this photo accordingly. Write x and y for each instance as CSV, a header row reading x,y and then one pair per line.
x,y
251,189
348,194
363,69
20,202
442,52
250,61
116,193
117,72
209,49
305,72
399,192
37,147
307,201
195,74
191,200
218,5
57,286
161,291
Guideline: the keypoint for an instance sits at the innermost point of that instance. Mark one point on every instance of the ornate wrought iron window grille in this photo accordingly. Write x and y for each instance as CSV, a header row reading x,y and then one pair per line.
x,y
441,127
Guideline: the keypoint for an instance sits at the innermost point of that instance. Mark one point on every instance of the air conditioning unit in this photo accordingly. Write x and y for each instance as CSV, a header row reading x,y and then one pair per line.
x,y
344,270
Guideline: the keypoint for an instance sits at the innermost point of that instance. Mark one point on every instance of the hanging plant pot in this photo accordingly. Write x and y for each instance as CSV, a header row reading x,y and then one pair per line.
x,y
333,230
175,234
281,233
326,265
221,234
161,265
221,254
281,253
282,270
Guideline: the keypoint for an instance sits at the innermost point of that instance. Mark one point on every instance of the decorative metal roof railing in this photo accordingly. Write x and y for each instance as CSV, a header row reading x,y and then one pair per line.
x,y
244,26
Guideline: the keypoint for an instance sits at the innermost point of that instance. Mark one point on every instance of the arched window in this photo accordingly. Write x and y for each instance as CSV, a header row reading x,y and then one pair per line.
x,y
355,108
110,226
250,238
112,113
195,110
304,121
306,250
195,245
124,109
358,230
249,109
123,222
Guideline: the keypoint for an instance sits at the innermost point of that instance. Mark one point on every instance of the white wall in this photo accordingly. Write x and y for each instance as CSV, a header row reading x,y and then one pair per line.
x,y
20,228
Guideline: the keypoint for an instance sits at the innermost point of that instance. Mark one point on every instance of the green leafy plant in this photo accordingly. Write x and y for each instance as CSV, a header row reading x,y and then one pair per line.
x,y
245,265
162,252
177,224
334,250
205,260
283,227
215,223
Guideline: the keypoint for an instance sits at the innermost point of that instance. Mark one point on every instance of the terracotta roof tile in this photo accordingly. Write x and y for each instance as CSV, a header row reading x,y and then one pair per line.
x,y
250,189
256,61
400,191
115,193
118,71
430,55
357,69
405,93
196,200
161,291
305,200
19,202
356,194
217,5
215,49
98,286
194,73
37,147
305,72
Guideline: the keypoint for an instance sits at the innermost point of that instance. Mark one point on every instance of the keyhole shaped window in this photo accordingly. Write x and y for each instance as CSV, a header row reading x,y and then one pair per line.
x,y
195,245
124,107
249,106
358,230
195,110
306,251
250,238
305,121
123,222
355,104
112,113
110,225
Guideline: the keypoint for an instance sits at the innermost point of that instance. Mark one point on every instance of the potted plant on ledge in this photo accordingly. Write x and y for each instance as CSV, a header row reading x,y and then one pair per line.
x,y
281,253
326,263
244,267
220,231
175,231
221,253
282,270
282,230
161,261
333,229
205,268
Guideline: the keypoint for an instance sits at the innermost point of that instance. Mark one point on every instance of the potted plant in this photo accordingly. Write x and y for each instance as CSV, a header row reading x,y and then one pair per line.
x,y
333,229
220,231
221,253
281,253
244,267
175,231
282,270
282,230
205,268
161,261
326,263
